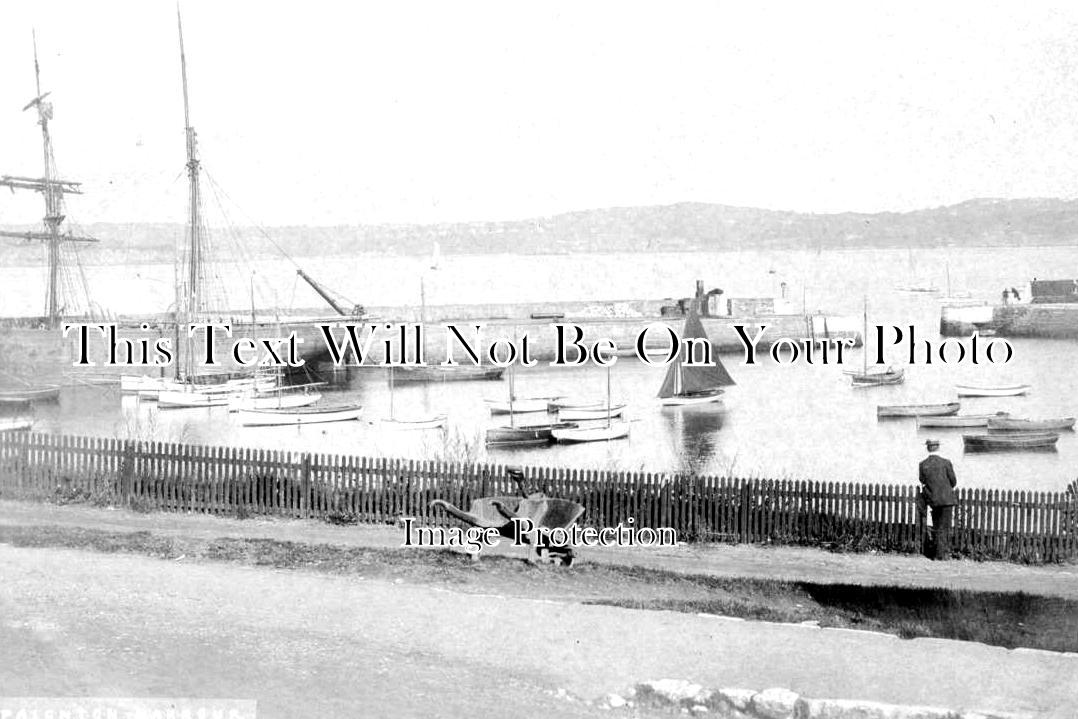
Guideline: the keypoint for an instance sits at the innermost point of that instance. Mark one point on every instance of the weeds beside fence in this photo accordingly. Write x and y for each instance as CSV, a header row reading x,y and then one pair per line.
x,y
234,481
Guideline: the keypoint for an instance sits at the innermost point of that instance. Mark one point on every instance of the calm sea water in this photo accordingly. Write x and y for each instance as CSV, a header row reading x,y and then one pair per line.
x,y
797,421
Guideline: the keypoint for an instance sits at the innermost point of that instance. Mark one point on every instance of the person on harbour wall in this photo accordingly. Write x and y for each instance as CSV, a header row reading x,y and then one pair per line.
x,y
938,481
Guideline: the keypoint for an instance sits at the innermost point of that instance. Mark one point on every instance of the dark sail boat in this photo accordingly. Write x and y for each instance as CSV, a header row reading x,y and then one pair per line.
x,y
690,384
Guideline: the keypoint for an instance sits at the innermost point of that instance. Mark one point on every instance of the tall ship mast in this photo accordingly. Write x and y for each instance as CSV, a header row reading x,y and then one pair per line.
x,y
53,189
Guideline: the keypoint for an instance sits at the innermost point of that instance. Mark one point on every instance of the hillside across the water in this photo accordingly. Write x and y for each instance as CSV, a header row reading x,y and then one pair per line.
x,y
687,226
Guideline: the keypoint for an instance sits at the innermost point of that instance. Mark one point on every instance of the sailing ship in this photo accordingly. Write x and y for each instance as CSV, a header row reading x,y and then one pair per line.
x,y
19,352
35,344
694,384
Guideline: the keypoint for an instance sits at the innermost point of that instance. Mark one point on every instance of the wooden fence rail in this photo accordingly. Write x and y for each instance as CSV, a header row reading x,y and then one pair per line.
x,y
990,524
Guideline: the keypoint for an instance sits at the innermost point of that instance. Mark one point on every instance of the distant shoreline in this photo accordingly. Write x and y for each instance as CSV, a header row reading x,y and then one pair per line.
x,y
89,260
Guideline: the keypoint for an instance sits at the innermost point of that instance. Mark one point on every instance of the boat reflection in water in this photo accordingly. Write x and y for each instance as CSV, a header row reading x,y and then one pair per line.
x,y
696,430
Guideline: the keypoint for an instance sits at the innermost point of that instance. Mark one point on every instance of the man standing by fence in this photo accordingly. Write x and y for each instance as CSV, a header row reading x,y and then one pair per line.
x,y
937,490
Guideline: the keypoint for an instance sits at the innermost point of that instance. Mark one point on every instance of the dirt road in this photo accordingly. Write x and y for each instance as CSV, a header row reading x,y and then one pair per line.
x,y
302,644
794,563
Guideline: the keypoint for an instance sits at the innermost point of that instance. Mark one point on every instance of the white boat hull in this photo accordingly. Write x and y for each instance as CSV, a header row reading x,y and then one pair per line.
x,y
603,433
519,406
965,390
284,401
685,401
578,415
171,399
428,422
269,418
15,424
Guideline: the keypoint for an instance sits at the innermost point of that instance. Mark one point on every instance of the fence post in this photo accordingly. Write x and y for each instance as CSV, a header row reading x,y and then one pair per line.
x,y
305,485
127,473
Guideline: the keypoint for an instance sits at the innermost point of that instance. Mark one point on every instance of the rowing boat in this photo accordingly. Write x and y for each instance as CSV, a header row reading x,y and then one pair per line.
x,y
916,410
601,412
601,433
972,390
281,401
526,434
48,393
452,373
427,421
15,424
958,420
518,405
1009,441
1008,424
301,415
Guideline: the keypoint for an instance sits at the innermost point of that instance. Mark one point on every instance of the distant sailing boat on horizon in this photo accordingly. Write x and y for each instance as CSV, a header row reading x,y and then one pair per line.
x,y
693,384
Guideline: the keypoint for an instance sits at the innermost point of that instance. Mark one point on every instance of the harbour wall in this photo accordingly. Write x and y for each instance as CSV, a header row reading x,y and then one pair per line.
x,y
44,355
1058,320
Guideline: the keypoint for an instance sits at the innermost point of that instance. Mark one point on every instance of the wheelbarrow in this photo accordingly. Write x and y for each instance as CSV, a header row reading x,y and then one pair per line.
x,y
544,513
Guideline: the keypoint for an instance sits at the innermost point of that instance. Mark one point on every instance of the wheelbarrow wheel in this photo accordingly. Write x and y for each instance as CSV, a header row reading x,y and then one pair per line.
x,y
562,555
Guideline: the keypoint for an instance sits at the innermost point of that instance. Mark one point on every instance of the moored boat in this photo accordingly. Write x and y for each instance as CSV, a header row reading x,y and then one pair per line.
x,y
958,420
15,424
584,414
1009,441
281,401
561,403
917,410
426,421
691,383
178,399
518,405
300,415
877,379
453,373
1015,424
48,393
525,434
597,433
1009,390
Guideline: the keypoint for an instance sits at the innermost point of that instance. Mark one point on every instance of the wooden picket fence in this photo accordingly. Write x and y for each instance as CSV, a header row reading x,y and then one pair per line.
x,y
236,481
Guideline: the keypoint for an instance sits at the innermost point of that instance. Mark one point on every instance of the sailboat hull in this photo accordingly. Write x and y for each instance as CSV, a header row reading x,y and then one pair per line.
x,y
619,430
573,415
434,421
684,400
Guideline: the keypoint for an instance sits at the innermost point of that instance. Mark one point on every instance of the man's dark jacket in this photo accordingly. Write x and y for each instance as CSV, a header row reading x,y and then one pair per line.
x,y
937,478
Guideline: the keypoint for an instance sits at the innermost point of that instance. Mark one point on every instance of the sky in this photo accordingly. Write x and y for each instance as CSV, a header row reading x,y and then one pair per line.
x,y
326,113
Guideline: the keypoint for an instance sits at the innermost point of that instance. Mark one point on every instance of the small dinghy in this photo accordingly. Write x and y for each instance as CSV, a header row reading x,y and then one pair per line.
x,y
301,415
959,420
916,410
582,415
1009,424
525,434
518,405
1009,390
15,424
28,395
179,399
426,421
1009,441
595,433
281,401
